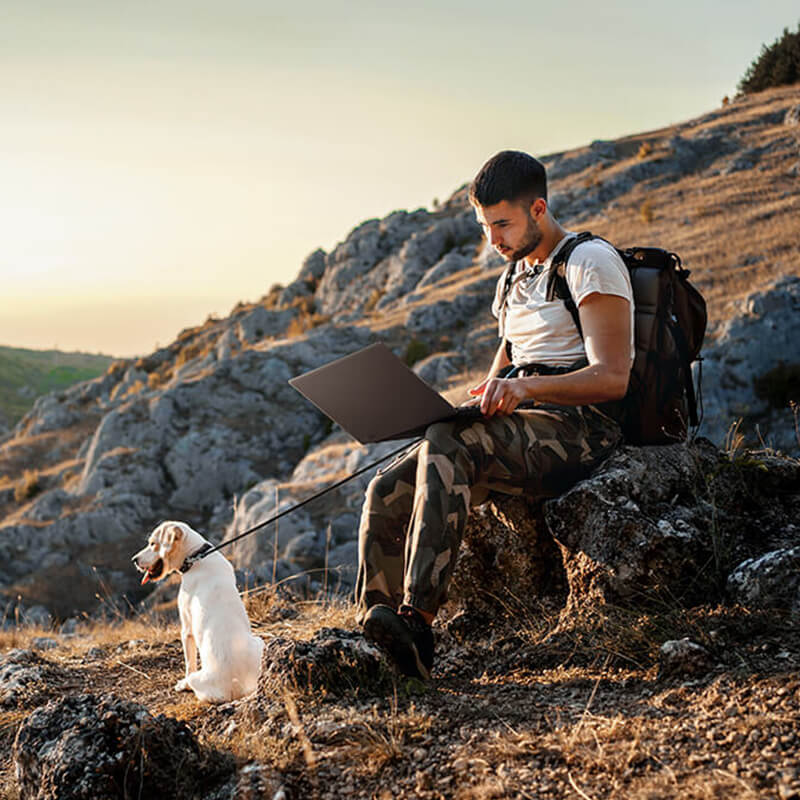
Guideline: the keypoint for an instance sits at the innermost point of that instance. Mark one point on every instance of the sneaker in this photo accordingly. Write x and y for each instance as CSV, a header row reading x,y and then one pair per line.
x,y
405,636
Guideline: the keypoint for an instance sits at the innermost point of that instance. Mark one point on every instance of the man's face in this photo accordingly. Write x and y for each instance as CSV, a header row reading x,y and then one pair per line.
x,y
511,227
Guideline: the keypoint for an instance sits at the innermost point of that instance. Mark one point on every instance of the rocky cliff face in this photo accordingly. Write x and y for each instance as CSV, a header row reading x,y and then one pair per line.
x,y
208,430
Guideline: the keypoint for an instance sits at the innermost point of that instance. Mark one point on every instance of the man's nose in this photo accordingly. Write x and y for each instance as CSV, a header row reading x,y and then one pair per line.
x,y
494,237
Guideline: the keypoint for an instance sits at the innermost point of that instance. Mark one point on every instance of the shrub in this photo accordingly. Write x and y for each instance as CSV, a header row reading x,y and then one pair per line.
x,y
416,350
28,486
645,148
157,379
305,321
776,65
780,386
646,212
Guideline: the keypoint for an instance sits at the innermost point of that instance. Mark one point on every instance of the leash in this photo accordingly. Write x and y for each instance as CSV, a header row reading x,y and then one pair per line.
x,y
207,550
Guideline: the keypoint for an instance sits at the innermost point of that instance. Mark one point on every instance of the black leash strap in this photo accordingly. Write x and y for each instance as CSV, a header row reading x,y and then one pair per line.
x,y
307,500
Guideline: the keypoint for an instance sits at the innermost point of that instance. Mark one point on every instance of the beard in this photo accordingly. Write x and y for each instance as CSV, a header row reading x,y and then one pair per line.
x,y
532,238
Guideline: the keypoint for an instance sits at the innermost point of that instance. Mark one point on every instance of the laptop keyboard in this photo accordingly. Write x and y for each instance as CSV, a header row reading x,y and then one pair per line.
x,y
468,412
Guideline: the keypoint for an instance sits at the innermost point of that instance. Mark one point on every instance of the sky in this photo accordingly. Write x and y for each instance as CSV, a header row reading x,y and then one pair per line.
x,y
163,160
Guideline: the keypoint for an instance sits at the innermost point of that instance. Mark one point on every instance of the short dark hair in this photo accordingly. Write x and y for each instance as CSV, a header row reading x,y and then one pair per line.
x,y
510,175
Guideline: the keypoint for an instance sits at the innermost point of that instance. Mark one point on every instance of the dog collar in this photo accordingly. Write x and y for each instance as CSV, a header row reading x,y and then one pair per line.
x,y
194,557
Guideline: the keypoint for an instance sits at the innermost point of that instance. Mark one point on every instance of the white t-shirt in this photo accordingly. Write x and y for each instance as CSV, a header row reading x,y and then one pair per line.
x,y
544,332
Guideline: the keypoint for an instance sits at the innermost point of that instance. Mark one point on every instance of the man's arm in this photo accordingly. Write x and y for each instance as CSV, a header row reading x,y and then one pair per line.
x,y
606,324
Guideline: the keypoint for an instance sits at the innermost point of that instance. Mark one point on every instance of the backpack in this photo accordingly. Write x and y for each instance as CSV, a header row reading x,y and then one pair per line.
x,y
670,322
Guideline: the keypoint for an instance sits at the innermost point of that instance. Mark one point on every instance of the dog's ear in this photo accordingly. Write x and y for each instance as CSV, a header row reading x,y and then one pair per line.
x,y
175,534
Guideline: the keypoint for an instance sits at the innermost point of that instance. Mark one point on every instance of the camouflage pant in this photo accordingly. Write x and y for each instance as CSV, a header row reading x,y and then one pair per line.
x,y
415,510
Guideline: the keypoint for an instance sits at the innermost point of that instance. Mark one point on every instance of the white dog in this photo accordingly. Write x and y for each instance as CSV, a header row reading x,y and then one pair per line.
x,y
213,618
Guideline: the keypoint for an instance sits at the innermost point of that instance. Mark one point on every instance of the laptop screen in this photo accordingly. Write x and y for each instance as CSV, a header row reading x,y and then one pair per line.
x,y
373,395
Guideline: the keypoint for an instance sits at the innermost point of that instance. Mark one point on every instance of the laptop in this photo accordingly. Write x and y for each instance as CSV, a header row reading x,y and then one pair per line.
x,y
375,397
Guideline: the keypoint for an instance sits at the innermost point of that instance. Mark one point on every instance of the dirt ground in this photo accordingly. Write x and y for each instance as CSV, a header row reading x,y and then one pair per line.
x,y
523,708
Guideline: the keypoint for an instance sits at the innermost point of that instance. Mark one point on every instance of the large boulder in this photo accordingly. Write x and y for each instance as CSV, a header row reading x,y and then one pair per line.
x,y
650,525
92,747
334,660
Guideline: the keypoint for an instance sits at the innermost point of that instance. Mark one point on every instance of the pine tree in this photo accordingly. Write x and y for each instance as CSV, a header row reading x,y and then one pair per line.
x,y
776,65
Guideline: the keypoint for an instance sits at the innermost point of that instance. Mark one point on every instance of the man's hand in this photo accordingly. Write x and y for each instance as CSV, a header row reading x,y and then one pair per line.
x,y
499,395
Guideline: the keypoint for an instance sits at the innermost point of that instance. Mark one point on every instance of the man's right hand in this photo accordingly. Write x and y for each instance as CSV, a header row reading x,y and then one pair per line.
x,y
476,394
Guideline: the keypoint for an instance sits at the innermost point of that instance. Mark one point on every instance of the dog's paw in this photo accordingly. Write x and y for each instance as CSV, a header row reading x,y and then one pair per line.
x,y
182,686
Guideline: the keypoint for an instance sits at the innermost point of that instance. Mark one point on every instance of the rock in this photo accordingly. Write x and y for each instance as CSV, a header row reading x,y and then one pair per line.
x,y
445,315
69,626
50,414
450,263
343,285
37,616
745,160
423,250
26,678
771,581
48,506
226,345
342,567
307,551
507,556
620,538
88,746
792,116
435,370
254,552
333,660
43,643
748,347
604,149
262,323
683,657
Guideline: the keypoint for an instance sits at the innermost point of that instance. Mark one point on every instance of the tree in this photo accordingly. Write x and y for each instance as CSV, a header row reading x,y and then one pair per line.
x,y
777,65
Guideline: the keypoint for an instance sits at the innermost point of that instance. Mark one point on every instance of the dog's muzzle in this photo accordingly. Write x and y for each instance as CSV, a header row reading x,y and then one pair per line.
x,y
151,573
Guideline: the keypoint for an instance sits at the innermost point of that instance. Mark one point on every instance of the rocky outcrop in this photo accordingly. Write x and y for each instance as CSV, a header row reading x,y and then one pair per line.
x,y
87,746
679,524
751,370
208,430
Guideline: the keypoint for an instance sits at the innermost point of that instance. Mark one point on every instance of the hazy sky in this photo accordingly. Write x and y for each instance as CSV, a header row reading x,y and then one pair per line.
x,y
161,161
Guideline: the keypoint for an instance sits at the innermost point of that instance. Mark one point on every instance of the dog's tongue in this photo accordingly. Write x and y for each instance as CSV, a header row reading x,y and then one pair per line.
x,y
145,579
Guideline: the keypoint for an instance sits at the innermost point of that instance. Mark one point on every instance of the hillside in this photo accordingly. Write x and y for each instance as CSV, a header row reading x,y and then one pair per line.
x,y
28,374
534,694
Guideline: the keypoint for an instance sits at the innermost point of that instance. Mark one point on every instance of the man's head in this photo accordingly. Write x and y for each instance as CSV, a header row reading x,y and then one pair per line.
x,y
510,175
509,195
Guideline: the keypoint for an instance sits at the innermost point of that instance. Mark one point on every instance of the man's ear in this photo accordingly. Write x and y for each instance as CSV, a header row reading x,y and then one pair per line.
x,y
538,208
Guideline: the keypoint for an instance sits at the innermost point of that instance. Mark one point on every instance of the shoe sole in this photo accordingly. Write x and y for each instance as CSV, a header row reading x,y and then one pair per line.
x,y
394,638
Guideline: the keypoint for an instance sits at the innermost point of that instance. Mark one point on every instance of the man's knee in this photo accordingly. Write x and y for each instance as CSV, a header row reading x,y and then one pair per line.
x,y
443,436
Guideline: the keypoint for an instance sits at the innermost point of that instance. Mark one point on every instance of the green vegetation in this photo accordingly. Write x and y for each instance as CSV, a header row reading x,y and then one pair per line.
x,y
780,386
776,65
416,351
27,374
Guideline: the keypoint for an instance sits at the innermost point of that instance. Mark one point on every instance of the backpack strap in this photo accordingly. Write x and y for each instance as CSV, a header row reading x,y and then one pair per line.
x,y
557,285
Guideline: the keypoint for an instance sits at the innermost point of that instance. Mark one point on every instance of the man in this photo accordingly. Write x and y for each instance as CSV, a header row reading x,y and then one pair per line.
x,y
539,431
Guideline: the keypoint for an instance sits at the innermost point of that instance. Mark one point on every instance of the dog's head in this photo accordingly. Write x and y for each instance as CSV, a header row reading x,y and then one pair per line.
x,y
167,548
